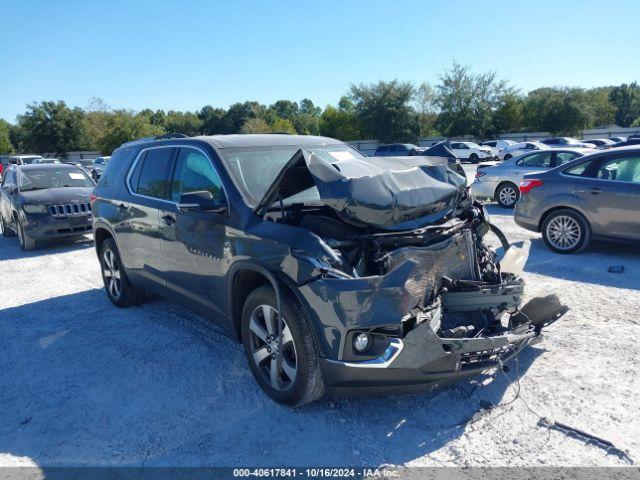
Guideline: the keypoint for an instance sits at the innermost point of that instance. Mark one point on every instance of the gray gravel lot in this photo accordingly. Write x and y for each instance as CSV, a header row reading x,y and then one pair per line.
x,y
84,383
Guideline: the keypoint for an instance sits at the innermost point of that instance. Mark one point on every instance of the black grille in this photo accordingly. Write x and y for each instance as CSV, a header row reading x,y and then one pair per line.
x,y
70,209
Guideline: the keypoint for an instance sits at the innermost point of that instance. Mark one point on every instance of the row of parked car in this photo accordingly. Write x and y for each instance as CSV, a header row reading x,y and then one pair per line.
x,y
506,149
94,166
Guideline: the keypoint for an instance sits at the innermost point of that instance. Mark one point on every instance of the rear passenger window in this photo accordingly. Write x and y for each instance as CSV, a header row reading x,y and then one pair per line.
x,y
153,176
578,170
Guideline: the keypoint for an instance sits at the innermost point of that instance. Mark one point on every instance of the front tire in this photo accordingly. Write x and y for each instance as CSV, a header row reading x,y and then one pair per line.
x,y
507,195
288,370
116,284
566,231
27,243
473,158
507,156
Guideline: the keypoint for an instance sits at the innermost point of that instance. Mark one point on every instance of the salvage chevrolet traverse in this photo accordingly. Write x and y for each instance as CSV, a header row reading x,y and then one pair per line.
x,y
336,271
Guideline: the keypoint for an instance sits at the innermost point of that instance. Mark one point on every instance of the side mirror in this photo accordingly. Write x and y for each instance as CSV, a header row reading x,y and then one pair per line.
x,y
200,202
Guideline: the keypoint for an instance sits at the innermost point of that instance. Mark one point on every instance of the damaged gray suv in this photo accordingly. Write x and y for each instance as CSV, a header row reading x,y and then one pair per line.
x,y
336,271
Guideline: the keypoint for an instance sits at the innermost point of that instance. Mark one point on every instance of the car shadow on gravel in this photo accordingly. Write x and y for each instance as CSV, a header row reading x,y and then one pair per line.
x,y
10,247
85,383
589,266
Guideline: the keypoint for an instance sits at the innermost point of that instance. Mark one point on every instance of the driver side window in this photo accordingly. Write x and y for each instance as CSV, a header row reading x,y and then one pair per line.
x,y
194,172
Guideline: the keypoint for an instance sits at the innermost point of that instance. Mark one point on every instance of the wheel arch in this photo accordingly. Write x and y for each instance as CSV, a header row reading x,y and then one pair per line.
x,y
549,211
246,276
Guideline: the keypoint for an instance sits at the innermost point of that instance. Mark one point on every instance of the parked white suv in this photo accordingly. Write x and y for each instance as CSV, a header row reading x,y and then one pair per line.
x,y
497,146
470,151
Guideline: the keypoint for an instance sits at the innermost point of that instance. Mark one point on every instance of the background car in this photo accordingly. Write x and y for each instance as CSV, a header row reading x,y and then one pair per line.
x,y
45,201
564,142
594,197
618,139
600,143
497,145
396,150
501,181
97,167
520,148
626,143
41,161
470,151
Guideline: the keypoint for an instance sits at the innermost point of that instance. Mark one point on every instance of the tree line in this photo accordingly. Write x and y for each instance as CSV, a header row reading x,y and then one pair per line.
x,y
461,103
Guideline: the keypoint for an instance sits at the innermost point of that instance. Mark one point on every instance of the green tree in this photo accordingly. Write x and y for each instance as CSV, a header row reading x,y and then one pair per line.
x,y
283,125
96,116
5,142
557,110
626,100
385,111
187,123
212,120
602,110
508,116
52,127
238,113
124,126
256,125
427,108
468,101
342,122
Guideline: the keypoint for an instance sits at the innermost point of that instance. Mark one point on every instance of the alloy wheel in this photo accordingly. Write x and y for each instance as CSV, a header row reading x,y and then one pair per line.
x,y
564,232
508,195
272,347
111,273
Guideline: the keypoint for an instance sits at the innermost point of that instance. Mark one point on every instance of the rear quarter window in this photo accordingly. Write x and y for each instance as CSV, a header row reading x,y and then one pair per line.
x,y
116,167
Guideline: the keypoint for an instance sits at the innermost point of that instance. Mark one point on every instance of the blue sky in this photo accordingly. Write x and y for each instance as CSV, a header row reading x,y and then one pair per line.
x,y
186,54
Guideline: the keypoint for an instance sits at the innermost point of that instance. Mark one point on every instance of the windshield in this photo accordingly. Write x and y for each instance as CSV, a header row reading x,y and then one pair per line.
x,y
36,179
254,169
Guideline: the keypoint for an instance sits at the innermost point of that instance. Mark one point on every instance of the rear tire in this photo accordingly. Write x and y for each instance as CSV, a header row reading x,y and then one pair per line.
x,y
116,284
507,195
566,231
27,243
273,364
508,156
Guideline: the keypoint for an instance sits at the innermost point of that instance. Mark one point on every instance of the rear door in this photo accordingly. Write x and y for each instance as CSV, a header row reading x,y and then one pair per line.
x,y
610,195
138,226
193,243
530,163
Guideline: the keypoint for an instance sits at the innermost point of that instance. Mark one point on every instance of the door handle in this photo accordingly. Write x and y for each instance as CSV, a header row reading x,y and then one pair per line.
x,y
168,219
595,191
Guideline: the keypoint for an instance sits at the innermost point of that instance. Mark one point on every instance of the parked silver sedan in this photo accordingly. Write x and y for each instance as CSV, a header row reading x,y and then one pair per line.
x,y
597,196
500,182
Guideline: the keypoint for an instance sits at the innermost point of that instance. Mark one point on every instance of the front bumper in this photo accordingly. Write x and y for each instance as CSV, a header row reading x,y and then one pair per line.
x,y
57,227
426,362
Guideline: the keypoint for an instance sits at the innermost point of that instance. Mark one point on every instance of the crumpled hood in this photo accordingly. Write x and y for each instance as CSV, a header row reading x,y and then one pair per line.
x,y
381,192
58,195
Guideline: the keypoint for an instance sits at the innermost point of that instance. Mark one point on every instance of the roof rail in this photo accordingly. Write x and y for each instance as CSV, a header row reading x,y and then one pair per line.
x,y
166,136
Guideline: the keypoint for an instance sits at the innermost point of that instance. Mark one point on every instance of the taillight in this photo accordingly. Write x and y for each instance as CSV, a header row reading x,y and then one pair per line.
x,y
92,198
480,173
527,185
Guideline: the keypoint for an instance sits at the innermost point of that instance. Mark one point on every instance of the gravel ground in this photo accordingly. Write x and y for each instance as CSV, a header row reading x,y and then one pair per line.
x,y
84,383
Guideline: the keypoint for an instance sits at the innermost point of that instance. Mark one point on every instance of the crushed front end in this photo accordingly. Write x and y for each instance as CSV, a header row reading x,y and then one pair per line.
x,y
435,304
408,292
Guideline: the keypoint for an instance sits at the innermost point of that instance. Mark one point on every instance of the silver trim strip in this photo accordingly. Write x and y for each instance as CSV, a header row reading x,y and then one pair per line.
x,y
137,159
383,361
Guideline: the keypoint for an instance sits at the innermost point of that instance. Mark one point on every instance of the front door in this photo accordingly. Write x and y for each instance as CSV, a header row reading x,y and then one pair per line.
x,y
193,242
610,195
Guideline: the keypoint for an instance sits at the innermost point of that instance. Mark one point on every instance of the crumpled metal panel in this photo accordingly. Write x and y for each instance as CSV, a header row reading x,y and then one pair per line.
x,y
453,258
386,192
